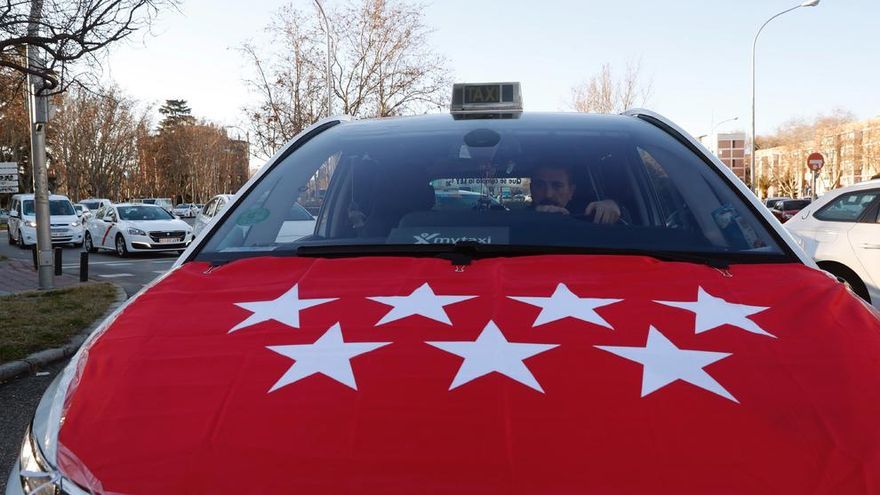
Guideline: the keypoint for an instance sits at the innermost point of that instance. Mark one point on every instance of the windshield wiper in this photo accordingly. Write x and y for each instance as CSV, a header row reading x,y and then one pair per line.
x,y
463,252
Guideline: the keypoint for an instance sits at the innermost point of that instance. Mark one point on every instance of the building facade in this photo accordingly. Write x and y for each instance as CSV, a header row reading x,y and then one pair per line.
x,y
729,147
851,152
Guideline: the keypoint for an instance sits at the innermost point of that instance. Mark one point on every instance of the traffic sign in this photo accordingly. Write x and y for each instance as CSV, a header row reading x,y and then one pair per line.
x,y
815,161
8,177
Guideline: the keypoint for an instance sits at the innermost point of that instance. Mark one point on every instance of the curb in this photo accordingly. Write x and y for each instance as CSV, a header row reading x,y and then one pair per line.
x,y
42,358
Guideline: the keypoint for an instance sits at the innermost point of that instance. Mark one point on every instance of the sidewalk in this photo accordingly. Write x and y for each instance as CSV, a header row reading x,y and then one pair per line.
x,y
18,275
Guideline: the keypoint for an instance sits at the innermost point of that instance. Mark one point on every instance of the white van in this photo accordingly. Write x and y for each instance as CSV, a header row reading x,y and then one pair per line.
x,y
65,226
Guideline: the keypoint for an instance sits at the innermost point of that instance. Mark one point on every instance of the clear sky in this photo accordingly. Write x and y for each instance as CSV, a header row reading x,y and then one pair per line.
x,y
696,52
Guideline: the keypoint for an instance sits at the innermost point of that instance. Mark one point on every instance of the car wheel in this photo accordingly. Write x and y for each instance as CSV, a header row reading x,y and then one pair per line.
x,y
121,248
21,243
9,237
90,247
849,277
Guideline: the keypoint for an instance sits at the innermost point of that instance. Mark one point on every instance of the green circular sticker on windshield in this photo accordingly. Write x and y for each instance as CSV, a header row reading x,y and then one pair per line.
x,y
253,216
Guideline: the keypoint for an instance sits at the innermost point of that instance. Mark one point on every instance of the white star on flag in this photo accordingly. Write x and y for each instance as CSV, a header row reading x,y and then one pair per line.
x,y
564,303
663,363
712,312
422,301
492,352
283,309
329,356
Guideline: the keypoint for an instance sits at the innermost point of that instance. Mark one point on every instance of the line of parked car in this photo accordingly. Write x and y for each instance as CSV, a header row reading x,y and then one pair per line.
x,y
141,225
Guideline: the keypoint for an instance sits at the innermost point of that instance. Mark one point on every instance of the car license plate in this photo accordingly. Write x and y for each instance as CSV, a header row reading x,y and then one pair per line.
x,y
167,241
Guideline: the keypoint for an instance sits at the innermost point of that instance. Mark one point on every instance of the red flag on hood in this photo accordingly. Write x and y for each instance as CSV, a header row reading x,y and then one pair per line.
x,y
545,374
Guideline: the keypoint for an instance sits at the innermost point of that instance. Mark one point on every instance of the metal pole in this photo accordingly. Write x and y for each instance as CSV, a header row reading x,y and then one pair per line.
x,y
754,46
39,115
329,48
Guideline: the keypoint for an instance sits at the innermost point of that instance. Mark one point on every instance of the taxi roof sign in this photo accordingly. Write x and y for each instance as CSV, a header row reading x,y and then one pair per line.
x,y
486,100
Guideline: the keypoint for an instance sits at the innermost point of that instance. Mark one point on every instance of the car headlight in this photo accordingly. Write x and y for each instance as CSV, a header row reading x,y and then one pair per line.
x,y
134,231
36,475
74,224
30,223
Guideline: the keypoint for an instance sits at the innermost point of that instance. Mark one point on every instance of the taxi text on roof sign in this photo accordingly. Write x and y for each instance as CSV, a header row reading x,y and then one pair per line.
x,y
489,100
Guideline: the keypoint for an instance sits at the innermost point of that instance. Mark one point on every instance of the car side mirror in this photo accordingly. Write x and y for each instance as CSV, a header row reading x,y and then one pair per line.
x,y
13,214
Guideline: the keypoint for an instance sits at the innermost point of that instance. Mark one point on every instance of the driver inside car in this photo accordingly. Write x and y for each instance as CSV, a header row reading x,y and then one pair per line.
x,y
552,188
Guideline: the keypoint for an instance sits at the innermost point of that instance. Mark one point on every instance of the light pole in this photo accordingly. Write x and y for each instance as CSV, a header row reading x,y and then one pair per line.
x,y
807,3
723,122
329,48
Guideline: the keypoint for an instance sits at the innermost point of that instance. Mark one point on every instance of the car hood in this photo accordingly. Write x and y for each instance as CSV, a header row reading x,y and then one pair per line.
x,y
157,225
541,374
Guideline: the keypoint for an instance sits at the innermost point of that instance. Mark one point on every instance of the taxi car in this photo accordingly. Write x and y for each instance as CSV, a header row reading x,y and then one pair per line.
x,y
125,228
629,330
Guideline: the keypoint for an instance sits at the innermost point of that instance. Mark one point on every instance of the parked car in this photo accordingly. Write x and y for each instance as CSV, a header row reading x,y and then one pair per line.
x,y
65,227
840,230
126,228
771,202
212,208
406,349
784,209
165,203
185,210
4,215
82,211
94,204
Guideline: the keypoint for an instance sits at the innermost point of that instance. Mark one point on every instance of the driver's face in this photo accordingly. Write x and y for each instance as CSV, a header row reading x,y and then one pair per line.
x,y
551,186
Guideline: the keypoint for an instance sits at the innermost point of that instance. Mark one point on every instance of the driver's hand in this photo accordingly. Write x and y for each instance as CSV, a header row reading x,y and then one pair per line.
x,y
605,211
551,209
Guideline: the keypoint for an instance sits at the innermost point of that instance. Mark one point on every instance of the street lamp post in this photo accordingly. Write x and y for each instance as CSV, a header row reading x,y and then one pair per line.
x,y
328,70
807,3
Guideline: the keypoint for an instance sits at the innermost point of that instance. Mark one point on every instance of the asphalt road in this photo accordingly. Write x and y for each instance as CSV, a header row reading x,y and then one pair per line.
x,y
131,273
19,397
18,401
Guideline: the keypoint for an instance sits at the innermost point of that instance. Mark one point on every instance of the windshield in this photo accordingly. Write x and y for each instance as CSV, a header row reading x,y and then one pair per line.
x,y
92,205
143,213
566,180
56,207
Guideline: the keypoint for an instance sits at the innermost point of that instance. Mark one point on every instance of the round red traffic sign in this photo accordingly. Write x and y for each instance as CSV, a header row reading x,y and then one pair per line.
x,y
815,161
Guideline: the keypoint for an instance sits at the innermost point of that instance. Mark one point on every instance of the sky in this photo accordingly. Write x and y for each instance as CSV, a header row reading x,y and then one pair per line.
x,y
696,54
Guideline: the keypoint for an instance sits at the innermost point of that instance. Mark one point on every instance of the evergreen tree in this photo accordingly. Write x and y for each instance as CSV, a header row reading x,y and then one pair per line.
x,y
176,113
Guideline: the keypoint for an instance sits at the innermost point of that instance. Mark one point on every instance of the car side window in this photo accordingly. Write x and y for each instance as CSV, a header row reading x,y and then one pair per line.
x,y
848,207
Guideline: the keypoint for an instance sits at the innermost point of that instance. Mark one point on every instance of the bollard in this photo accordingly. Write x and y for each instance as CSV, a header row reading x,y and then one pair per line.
x,y
84,266
58,257
34,253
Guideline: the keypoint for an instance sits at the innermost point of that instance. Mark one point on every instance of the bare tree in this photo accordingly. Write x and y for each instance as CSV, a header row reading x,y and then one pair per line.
x,y
382,65
70,31
603,93
14,136
94,142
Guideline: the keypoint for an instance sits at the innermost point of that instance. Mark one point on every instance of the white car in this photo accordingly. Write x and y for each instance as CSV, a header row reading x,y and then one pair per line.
x,y
83,212
65,226
185,210
126,228
210,210
840,231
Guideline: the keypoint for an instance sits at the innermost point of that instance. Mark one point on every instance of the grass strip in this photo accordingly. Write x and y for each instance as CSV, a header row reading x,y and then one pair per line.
x,y
34,321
